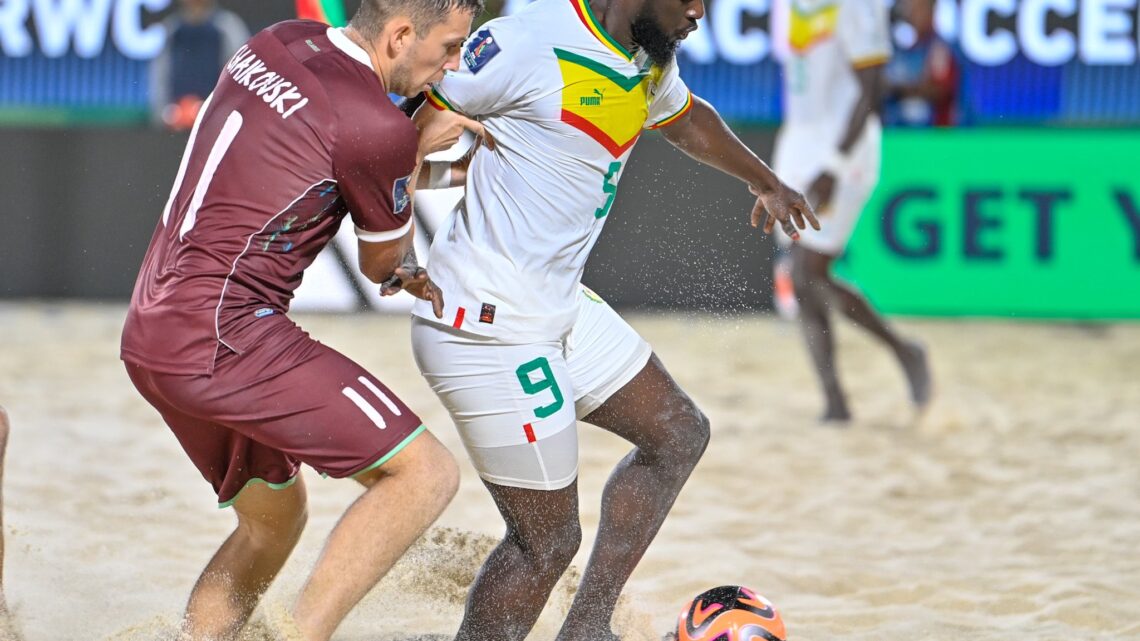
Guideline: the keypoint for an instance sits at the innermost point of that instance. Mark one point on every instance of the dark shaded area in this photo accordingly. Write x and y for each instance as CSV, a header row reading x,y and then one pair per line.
x,y
79,208
679,236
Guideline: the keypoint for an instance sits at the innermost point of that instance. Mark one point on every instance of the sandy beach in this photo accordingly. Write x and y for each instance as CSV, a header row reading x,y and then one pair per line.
x,y
1010,511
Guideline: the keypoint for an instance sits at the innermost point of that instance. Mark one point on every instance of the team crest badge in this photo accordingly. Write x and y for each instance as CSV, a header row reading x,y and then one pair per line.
x,y
480,50
400,196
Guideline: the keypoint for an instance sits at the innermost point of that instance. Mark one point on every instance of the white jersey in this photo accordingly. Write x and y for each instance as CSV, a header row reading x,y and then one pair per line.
x,y
565,104
827,41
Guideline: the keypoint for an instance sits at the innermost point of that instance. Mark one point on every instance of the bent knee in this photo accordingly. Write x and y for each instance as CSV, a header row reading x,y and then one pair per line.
x,y
552,552
281,527
704,432
445,474
427,463
697,434
683,435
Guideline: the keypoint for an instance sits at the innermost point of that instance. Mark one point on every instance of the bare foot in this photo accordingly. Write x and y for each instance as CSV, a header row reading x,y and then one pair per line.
x,y
836,414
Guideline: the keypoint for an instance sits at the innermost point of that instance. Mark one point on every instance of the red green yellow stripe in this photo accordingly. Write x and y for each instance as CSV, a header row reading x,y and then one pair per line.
x,y
591,130
437,100
330,12
675,117
586,15
627,83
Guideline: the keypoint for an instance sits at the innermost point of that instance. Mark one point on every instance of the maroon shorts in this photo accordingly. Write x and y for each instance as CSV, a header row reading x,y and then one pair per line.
x,y
287,400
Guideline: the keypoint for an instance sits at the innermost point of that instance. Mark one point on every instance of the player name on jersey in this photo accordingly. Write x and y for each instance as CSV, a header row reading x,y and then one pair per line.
x,y
250,72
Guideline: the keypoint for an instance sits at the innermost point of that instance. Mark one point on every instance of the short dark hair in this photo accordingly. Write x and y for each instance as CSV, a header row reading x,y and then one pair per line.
x,y
372,15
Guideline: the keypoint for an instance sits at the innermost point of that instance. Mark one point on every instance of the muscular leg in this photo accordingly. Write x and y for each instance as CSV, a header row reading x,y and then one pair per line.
x,y
404,497
910,354
669,435
821,285
269,525
811,275
543,534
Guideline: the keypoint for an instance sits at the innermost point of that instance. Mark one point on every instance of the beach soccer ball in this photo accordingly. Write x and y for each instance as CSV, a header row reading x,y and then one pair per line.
x,y
730,613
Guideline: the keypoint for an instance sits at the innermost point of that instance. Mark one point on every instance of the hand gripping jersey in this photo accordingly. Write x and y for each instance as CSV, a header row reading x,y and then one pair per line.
x,y
827,40
565,103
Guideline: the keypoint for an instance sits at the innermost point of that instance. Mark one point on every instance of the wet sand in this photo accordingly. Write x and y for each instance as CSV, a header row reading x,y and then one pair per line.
x,y
1010,511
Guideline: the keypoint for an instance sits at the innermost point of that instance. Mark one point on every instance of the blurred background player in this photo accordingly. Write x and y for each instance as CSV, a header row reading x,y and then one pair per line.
x,y
829,146
299,133
922,77
565,88
200,37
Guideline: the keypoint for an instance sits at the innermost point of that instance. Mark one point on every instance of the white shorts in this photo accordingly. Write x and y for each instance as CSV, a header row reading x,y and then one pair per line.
x,y
516,405
853,187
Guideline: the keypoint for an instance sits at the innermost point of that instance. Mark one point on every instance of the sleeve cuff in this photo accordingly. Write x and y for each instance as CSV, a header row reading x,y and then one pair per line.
x,y
437,100
384,236
677,115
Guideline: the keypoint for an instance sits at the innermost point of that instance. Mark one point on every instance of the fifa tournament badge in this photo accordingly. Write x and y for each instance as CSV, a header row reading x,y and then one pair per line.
x,y
480,49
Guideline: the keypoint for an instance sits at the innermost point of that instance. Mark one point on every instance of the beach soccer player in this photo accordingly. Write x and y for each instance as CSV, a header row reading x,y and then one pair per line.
x,y
298,134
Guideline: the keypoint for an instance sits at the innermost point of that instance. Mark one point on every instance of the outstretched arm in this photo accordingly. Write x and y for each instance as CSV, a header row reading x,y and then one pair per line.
x,y
705,137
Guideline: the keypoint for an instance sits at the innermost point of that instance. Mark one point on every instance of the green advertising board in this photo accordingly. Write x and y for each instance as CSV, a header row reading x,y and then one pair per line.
x,y
999,222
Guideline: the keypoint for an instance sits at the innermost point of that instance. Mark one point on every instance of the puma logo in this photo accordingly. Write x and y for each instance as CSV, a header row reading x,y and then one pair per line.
x,y
592,101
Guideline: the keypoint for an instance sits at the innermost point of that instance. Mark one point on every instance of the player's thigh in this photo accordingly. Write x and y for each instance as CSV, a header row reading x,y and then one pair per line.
x,y
228,460
329,412
653,412
295,395
545,522
425,464
513,405
625,388
603,352
277,512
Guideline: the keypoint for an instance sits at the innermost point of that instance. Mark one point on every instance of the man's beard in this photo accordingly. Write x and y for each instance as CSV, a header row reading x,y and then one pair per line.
x,y
401,79
652,39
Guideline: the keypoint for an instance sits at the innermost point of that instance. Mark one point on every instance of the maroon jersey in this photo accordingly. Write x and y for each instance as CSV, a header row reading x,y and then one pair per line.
x,y
298,132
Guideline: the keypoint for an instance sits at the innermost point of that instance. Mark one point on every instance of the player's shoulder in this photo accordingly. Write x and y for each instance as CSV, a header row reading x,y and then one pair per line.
x,y
490,48
503,30
536,23
285,49
289,31
341,67
511,44
332,71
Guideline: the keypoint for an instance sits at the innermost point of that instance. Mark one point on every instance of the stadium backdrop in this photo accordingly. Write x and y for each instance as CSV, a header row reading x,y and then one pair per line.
x,y
961,220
